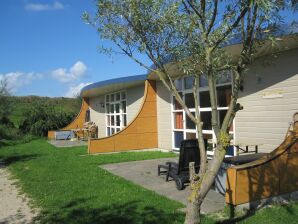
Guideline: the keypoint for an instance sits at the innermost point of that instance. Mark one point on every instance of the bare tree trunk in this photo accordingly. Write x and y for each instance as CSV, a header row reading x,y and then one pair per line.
x,y
200,188
193,213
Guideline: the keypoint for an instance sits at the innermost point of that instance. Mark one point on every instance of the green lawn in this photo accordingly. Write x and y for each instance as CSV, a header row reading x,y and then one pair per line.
x,y
69,187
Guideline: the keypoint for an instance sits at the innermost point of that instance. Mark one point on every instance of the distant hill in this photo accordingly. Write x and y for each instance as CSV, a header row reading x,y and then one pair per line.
x,y
23,103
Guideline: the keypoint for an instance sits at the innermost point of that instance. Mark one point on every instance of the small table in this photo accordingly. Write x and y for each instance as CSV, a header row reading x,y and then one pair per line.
x,y
244,147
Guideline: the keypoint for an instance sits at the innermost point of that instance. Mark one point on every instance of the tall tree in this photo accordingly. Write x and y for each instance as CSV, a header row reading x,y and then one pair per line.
x,y
188,38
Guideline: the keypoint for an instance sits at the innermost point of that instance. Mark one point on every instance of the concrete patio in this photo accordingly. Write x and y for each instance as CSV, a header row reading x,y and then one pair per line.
x,y
67,143
144,173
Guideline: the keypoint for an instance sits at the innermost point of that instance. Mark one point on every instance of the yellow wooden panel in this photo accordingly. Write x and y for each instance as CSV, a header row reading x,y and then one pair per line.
x,y
231,186
149,111
51,134
289,173
126,142
151,92
101,145
147,124
272,175
258,182
147,140
131,129
294,148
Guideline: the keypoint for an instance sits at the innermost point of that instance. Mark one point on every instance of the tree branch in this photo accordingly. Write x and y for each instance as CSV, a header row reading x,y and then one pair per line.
x,y
232,27
214,14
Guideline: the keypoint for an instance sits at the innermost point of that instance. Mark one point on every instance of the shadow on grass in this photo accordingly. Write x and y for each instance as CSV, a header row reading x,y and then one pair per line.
x,y
130,212
6,161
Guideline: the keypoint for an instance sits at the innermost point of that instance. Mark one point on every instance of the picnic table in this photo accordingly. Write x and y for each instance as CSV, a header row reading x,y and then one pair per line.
x,y
245,147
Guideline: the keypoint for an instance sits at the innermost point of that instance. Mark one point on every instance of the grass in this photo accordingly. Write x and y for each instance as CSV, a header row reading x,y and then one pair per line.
x,y
69,187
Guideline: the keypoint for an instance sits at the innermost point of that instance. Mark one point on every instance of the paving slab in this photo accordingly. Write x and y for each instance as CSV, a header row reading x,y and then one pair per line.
x,y
144,173
67,143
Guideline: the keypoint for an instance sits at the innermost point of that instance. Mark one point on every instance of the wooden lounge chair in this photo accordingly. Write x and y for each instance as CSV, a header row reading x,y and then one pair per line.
x,y
189,152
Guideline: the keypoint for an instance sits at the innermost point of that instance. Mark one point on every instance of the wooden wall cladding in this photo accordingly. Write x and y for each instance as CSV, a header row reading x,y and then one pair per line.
x,y
77,123
140,133
272,175
51,134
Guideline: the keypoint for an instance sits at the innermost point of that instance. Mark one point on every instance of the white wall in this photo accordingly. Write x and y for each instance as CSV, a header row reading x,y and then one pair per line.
x,y
266,120
164,117
134,101
97,114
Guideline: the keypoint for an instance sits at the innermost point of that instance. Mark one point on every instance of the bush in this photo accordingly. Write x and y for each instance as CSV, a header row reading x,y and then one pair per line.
x,y
41,118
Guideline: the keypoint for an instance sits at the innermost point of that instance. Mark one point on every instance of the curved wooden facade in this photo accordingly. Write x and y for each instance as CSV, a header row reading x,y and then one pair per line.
x,y
78,122
140,133
272,175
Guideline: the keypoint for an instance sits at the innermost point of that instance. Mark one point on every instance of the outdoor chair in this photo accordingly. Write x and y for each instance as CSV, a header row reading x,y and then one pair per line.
x,y
189,152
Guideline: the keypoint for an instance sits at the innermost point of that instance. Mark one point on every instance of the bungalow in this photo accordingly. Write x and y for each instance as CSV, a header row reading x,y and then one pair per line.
x,y
138,112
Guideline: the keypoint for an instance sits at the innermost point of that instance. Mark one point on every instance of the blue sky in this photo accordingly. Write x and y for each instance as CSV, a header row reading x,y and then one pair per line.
x,y
47,50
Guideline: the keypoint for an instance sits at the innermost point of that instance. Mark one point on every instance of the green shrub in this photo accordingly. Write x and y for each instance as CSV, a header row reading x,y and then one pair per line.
x,y
41,118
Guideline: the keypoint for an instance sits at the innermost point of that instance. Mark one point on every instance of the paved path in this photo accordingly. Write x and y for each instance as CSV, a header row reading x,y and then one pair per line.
x,y
13,207
144,173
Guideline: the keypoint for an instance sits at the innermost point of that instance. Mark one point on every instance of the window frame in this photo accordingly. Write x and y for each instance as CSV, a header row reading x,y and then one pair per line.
x,y
201,109
108,114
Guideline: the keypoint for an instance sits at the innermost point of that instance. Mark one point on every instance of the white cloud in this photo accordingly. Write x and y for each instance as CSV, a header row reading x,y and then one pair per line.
x,y
44,7
77,71
74,91
16,80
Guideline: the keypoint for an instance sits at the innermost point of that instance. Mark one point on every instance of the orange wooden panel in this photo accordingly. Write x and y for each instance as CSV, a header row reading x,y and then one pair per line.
x,y
131,129
147,140
257,183
294,148
269,176
151,93
289,173
125,142
148,124
149,111
51,134
102,145
230,185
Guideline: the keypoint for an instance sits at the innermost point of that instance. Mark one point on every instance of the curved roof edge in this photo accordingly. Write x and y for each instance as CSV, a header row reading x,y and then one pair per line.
x,y
110,82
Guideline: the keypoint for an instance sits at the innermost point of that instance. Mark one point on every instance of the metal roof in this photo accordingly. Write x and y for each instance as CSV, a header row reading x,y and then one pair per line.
x,y
116,84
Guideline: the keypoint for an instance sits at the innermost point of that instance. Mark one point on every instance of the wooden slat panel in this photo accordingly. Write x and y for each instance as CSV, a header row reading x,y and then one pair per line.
x,y
269,176
51,134
107,145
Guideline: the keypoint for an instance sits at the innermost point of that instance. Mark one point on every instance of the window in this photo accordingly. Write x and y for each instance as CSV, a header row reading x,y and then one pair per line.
x,y
87,115
183,127
116,117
